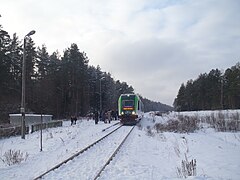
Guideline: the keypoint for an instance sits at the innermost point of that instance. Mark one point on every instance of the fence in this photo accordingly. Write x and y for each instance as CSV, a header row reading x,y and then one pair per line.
x,y
52,124
12,131
16,130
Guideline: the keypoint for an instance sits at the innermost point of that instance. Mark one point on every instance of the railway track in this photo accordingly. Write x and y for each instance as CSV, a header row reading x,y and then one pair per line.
x,y
83,163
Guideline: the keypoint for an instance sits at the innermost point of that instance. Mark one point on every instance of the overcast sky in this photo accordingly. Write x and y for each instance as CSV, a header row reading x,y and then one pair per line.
x,y
153,45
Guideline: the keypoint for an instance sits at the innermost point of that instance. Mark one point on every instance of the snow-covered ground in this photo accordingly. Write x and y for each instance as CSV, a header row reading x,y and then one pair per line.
x,y
144,156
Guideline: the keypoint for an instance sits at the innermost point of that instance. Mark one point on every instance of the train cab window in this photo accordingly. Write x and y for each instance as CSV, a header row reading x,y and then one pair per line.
x,y
128,103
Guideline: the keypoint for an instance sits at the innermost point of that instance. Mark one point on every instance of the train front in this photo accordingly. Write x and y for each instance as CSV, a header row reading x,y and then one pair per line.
x,y
127,108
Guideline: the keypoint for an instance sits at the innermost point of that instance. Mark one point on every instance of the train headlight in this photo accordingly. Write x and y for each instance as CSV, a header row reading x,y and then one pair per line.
x,y
122,113
133,112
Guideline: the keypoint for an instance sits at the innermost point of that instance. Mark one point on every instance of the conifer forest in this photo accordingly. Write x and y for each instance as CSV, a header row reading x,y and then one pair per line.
x,y
211,91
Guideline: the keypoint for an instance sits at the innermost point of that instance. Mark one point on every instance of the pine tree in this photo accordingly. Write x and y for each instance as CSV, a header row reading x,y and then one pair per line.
x,y
74,69
5,61
5,73
180,101
232,87
214,80
42,62
30,58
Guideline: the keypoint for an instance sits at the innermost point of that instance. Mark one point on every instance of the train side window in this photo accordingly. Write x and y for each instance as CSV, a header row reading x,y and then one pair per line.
x,y
138,105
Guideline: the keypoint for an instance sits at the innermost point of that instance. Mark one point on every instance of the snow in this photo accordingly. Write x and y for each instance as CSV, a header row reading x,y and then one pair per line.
x,y
144,156
85,166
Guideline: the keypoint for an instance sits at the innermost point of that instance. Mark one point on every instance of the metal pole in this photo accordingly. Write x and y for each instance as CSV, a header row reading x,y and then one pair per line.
x,y
41,132
22,109
222,94
23,92
100,96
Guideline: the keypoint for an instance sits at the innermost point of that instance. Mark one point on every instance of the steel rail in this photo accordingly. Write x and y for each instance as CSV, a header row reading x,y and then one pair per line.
x,y
111,126
75,155
113,155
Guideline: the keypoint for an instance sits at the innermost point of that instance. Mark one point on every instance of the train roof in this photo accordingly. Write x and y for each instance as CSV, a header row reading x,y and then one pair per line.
x,y
128,95
124,95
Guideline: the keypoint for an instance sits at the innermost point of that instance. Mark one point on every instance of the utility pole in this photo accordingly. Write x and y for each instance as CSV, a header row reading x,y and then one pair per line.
x,y
100,92
41,131
22,109
222,94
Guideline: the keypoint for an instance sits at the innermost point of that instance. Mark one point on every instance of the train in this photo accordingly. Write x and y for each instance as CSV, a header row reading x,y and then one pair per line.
x,y
130,109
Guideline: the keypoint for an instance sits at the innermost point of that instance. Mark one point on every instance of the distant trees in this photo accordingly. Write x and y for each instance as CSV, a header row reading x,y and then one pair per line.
x,y
59,85
211,91
155,106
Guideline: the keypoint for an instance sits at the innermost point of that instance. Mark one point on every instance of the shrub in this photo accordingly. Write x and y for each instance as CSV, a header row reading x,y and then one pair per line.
x,y
187,124
236,116
233,125
188,168
158,113
12,157
159,127
149,131
184,124
172,126
223,123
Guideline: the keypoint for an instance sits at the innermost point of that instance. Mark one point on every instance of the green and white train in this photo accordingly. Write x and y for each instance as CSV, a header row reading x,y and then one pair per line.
x,y
130,109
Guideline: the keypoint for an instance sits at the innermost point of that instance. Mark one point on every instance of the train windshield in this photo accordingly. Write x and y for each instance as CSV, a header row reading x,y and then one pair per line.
x,y
128,103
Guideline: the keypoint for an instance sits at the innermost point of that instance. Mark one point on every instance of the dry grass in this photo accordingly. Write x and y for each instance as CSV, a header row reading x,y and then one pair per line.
x,y
224,122
188,168
12,157
183,124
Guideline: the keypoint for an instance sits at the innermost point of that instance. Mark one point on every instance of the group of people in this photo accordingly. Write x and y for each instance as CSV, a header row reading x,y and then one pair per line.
x,y
105,116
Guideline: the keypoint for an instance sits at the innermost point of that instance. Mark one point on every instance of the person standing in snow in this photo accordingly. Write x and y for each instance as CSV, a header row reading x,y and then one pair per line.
x,y
109,116
75,119
116,115
72,119
104,113
96,117
113,115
